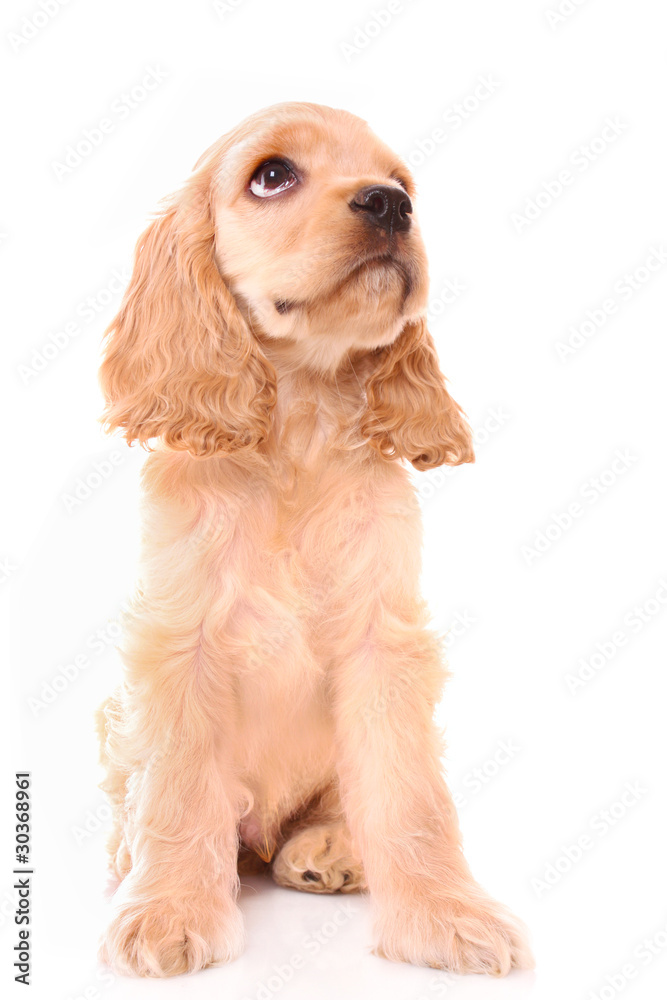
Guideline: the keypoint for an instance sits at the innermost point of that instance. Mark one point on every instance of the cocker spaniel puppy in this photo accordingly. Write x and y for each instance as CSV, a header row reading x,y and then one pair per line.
x,y
280,677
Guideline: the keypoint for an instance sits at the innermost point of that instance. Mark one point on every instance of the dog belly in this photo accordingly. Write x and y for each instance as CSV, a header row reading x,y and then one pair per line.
x,y
284,755
279,648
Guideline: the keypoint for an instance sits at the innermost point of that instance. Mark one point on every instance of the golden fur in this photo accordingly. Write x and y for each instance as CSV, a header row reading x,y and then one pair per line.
x,y
280,678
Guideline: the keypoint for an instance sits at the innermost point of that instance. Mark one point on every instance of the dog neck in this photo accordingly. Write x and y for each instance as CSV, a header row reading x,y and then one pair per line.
x,y
317,412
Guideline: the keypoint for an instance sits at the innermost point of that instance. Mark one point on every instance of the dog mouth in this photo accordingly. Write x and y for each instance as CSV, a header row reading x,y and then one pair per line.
x,y
385,260
380,259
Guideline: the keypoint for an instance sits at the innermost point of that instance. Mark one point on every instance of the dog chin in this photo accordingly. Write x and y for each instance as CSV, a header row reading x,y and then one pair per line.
x,y
375,302
366,310
366,321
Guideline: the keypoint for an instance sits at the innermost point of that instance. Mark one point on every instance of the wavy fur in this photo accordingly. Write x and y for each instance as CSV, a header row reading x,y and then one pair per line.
x,y
410,413
280,676
181,362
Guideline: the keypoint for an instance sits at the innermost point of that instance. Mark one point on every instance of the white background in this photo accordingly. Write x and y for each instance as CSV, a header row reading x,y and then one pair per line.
x,y
530,617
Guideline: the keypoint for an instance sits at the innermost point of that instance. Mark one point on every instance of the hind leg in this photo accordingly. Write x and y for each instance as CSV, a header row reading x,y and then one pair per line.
x,y
317,854
319,859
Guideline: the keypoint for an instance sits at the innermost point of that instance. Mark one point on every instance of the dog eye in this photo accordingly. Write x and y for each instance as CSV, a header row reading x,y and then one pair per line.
x,y
271,178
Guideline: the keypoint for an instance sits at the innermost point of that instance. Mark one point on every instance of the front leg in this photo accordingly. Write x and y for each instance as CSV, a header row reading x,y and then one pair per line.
x,y
386,679
428,909
170,738
175,910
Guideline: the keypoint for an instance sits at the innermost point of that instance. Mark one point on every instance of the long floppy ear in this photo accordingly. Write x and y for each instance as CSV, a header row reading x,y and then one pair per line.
x,y
180,360
410,413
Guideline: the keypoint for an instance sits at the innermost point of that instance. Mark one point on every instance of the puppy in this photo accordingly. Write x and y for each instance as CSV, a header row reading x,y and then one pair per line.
x,y
280,678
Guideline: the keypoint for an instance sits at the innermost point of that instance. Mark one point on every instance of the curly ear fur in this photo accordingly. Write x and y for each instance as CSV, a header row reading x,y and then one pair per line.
x,y
180,360
410,413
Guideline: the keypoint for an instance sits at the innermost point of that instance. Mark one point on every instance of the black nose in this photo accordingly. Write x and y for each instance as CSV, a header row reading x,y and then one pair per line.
x,y
388,207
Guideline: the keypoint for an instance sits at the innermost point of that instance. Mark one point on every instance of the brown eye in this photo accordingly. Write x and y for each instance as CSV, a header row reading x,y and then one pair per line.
x,y
271,178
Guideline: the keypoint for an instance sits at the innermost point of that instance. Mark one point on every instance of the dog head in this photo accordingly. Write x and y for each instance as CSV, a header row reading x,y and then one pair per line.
x,y
315,232
296,226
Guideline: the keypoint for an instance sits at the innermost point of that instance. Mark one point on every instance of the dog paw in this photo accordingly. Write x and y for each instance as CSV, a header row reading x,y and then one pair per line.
x,y
476,935
318,859
162,937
